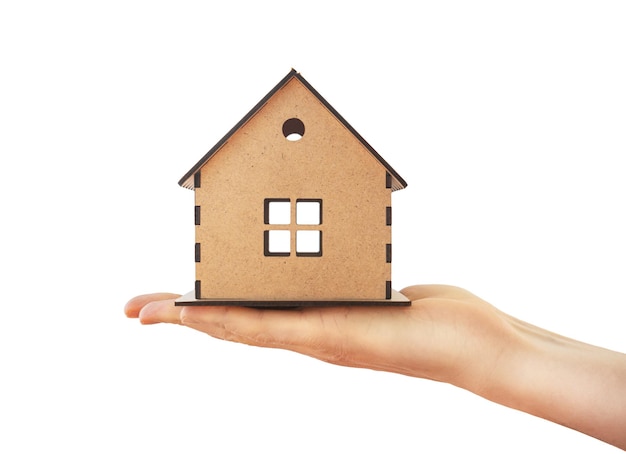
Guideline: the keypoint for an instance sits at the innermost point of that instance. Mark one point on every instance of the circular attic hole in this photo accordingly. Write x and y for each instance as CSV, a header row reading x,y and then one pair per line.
x,y
293,129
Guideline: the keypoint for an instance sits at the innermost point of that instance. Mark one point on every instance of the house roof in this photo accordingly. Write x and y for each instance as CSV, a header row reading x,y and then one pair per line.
x,y
187,181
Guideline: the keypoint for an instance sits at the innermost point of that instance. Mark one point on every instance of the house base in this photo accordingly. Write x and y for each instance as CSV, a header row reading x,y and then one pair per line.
x,y
189,299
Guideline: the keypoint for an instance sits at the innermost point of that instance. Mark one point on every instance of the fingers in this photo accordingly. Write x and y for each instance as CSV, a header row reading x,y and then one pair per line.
x,y
160,312
297,330
239,324
154,308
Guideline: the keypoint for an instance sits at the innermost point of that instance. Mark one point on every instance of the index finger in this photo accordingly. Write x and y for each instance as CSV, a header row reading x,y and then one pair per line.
x,y
134,306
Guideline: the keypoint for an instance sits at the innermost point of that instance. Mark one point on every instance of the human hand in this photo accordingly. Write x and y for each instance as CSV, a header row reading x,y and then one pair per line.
x,y
447,334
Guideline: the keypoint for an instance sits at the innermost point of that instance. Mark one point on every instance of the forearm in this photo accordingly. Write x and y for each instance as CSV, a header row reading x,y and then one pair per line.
x,y
562,380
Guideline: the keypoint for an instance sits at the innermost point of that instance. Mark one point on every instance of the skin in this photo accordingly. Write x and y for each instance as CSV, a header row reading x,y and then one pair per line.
x,y
447,335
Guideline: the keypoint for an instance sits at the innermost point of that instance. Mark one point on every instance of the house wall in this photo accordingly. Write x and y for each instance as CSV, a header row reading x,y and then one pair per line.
x,y
327,163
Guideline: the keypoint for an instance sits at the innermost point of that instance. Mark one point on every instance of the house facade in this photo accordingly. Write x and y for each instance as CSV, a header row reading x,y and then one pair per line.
x,y
292,206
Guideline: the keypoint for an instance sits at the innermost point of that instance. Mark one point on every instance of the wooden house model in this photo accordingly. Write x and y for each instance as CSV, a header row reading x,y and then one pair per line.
x,y
292,208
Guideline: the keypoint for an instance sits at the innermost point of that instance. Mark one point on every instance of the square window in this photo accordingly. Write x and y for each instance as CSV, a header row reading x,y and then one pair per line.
x,y
309,242
277,211
279,214
277,242
308,211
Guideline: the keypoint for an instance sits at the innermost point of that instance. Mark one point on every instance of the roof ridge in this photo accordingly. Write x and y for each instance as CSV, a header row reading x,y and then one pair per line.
x,y
187,180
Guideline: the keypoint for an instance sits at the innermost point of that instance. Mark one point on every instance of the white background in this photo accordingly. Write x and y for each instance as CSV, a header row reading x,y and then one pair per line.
x,y
506,119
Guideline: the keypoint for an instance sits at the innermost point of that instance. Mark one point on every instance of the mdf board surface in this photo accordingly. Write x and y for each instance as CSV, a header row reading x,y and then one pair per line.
x,y
259,163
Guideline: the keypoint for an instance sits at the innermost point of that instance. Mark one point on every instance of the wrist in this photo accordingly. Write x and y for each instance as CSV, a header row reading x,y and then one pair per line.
x,y
571,383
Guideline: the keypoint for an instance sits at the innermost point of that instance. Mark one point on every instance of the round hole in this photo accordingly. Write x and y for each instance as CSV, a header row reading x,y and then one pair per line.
x,y
293,129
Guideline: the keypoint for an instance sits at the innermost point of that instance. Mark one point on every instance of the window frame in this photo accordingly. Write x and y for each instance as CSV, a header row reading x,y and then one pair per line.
x,y
293,227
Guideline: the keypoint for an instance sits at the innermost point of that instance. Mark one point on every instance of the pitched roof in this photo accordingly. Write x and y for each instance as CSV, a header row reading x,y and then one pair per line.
x,y
397,182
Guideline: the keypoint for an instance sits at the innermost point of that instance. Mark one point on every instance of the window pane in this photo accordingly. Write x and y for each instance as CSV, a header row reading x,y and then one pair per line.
x,y
279,241
279,212
308,241
308,212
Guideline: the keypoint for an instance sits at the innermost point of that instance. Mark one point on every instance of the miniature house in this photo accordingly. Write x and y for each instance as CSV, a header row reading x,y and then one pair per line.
x,y
292,208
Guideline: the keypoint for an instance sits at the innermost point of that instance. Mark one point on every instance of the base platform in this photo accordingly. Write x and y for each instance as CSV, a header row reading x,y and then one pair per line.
x,y
189,299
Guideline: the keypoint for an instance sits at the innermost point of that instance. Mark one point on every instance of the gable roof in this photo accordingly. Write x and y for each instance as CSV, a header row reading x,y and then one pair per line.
x,y
187,181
